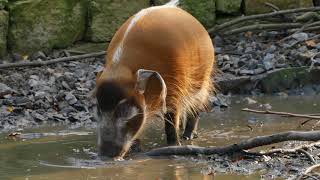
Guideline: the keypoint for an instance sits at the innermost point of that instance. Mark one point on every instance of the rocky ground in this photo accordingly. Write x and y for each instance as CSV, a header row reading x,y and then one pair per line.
x,y
59,93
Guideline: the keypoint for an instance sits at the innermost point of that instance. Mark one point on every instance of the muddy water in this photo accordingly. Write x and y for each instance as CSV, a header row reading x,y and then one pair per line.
x,y
61,153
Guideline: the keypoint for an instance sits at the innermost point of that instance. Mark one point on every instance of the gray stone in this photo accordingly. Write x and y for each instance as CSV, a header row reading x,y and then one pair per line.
x,y
271,49
218,50
39,55
309,91
39,95
268,61
226,57
246,72
220,100
71,99
38,117
226,67
303,49
249,49
259,70
300,36
217,41
16,57
282,94
318,46
249,101
5,90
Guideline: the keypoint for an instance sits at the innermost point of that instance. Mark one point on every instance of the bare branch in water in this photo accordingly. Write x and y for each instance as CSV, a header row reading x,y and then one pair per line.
x,y
238,147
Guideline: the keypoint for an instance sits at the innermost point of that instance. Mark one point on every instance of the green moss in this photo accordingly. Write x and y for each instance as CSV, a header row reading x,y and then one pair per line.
x,y
85,47
286,79
3,4
228,6
258,6
106,16
203,10
45,24
4,17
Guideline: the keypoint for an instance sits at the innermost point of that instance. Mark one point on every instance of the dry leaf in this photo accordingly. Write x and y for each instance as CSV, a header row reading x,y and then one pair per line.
x,y
311,43
248,34
10,109
14,134
25,57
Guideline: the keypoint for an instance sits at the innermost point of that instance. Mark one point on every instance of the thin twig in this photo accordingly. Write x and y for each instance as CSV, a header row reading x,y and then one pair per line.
x,y
273,7
308,170
255,27
287,151
281,113
311,158
308,120
217,28
233,148
308,24
53,61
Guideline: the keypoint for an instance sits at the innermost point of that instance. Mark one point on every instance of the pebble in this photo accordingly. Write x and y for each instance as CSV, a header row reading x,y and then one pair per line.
x,y
39,55
70,98
300,36
5,90
249,101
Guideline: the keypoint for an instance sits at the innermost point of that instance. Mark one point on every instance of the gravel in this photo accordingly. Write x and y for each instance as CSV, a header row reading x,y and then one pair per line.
x,y
50,94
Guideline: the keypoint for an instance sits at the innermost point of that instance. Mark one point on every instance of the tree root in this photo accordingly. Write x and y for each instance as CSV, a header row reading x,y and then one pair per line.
x,y
228,24
238,147
53,61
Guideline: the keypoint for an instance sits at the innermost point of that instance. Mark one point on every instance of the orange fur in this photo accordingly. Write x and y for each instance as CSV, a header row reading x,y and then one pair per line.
x,y
173,43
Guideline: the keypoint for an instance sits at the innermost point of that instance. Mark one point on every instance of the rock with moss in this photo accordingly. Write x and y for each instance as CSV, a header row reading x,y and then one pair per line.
x,y
203,10
228,6
289,78
45,24
4,15
106,16
259,7
3,4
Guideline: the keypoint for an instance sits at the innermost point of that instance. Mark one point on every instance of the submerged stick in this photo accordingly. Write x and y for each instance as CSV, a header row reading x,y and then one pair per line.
x,y
281,113
233,148
52,61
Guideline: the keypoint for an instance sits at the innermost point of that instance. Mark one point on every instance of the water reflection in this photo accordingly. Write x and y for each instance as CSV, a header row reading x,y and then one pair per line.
x,y
64,154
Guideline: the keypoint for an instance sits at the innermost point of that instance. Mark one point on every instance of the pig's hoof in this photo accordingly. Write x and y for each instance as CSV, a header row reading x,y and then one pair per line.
x,y
190,136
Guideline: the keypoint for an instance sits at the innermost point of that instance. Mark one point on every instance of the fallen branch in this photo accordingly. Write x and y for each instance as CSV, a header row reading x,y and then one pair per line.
x,y
233,148
255,27
281,113
299,149
217,28
53,61
272,6
308,170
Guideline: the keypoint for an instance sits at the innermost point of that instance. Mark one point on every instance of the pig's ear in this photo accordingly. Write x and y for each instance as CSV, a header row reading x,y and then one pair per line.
x,y
152,86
